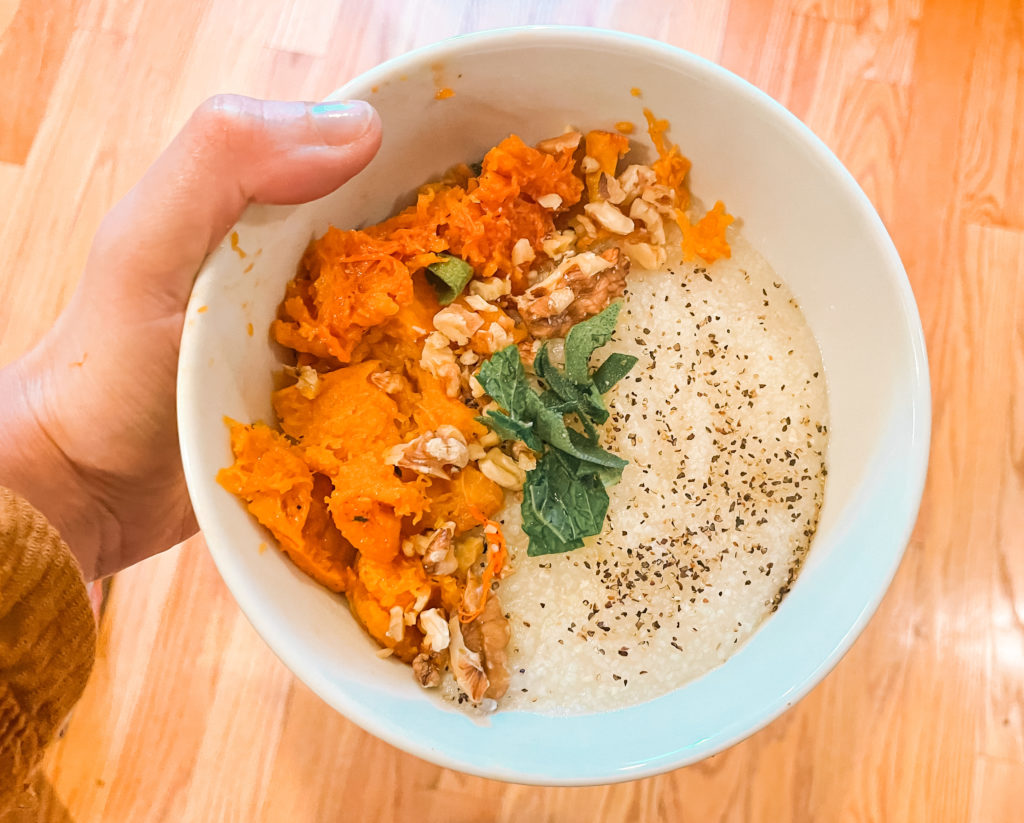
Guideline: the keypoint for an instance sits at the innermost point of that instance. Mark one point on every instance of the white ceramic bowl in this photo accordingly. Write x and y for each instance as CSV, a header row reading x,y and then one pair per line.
x,y
800,208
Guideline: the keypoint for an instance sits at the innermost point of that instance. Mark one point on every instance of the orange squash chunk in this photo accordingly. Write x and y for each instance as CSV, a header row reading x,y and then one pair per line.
x,y
606,148
349,414
325,555
272,478
368,502
456,499
706,239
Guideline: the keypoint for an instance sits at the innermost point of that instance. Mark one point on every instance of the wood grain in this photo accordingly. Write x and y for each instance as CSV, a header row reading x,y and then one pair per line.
x,y
188,717
35,38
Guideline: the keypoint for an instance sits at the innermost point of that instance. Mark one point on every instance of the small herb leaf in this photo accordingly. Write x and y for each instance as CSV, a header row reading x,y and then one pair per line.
x,y
561,506
588,452
564,497
449,277
509,428
504,379
585,338
612,370
556,403
578,398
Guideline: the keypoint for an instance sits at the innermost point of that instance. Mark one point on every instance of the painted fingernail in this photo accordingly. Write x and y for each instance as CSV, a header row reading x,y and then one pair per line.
x,y
342,121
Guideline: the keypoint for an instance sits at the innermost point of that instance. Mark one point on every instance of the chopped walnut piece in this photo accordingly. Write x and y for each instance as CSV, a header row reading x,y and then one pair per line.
x,y
550,201
489,288
502,469
564,142
457,323
439,557
420,602
473,592
560,299
489,438
524,456
584,225
495,337
388,381
558,243
634,179
589,263
609,217
522,251
645,255
592,294
488,636
475,388
438,359
661,197
550,296
468,549
651,218
608,187
426,668
431,453
396,624
435,630
466,664
477,303
415,545
308,384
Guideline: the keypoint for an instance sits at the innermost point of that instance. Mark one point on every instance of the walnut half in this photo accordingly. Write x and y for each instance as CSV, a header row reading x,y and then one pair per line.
x,y
426,668
466,664
593,289
439,556
488,636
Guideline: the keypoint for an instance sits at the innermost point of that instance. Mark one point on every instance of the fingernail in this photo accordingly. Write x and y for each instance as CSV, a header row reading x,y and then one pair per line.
x,y
342,121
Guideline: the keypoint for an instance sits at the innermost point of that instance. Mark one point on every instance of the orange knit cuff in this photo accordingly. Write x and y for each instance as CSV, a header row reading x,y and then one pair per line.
x,y
47,639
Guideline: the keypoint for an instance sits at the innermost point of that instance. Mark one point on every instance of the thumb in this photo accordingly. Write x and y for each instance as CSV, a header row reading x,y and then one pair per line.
x,y
234,150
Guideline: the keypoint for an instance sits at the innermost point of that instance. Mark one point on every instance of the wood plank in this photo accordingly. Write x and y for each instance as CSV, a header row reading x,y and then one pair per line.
x,y
32,46
989,171
11,176
998,784
994,256
8,9
246,681
696,27
146,713
305,27
54,192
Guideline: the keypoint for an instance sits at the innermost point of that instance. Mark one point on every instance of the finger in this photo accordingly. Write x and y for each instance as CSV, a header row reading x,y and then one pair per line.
x,y
233,150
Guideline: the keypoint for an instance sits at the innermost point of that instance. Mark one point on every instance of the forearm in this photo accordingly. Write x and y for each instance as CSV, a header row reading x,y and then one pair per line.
x,y
34,466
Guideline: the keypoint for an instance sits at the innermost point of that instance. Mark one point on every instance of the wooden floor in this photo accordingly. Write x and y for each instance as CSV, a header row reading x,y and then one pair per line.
x,y
189,717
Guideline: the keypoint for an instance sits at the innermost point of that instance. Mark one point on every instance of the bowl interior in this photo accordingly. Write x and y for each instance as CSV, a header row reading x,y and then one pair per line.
x,y
798,206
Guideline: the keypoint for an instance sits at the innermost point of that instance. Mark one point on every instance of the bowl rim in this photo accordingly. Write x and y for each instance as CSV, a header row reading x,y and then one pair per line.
x,y
919,393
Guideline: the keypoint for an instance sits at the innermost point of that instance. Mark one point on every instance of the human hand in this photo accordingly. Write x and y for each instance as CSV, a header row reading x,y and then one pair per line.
x,y
88,430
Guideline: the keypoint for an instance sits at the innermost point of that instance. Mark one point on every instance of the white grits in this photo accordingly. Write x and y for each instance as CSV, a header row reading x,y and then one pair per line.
x,y
723,421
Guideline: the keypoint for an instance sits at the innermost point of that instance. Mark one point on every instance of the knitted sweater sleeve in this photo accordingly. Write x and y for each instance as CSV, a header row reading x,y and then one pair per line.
x,y
47,639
